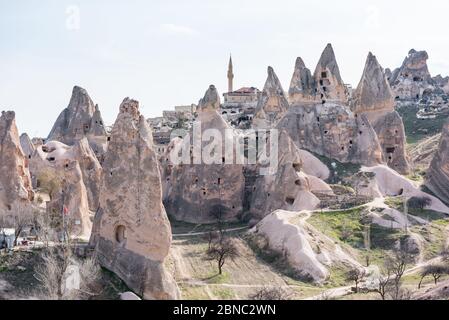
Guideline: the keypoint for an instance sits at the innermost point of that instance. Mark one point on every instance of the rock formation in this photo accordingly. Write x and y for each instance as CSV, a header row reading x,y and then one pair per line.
x,y
438,173
391,184
374,99
332,130
308,251
28,147
329,84
54,156
391,135
131,232
272,103
91,171
288,187
197,191
66,166
72,197
325,85
413,77
15,182
373,94
302,85
80,119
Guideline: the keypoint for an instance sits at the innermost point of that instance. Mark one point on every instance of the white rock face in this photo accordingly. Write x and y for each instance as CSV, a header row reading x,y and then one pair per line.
x,y
28,147
15,182
131,232
391,183
313,166
299,241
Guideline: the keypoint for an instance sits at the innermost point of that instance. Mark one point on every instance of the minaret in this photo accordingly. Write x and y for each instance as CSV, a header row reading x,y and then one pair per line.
x,y
230,75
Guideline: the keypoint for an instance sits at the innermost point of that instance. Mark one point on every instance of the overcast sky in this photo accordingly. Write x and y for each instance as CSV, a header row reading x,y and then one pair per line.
x,y
166,53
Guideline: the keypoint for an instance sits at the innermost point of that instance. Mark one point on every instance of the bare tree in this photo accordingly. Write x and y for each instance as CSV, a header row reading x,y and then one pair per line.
x,y
222,250
397,264
434,270
43,227
384,283
210,237
356,275
266,293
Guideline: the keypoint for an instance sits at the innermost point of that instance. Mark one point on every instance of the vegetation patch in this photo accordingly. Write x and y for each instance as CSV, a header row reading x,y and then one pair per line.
x,y
350,227
418,129
276,260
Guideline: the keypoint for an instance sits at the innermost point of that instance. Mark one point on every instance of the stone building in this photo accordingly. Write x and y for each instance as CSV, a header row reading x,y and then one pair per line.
x,y
239,106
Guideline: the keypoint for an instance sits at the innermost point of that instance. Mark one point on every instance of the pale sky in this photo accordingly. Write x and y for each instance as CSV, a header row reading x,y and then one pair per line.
x,y
167,53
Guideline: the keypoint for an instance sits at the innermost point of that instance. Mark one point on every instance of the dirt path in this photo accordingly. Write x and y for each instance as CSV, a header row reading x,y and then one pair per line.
x,y
195,234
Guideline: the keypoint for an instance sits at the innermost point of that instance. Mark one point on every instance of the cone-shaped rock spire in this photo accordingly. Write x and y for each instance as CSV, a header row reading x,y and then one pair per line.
x,y
15,183
373,92
131,230
81,118
272,104
330,85
302,85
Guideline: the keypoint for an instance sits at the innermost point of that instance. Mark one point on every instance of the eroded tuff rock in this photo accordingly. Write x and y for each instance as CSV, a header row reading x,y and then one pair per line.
x,y
27,145
329,84
325,85
57,162
332,130
80,119
391,184
438,173
374,99
72,196
197,191
302,85
54,156
309,252
91,171
272,103
413,77
131,232
391,135
288,187
15,183
373,94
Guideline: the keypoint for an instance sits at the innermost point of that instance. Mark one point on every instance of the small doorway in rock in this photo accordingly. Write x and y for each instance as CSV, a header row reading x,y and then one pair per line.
x,y
290,200
120,234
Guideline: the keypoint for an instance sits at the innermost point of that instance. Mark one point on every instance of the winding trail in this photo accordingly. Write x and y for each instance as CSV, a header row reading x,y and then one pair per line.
x,y
305,215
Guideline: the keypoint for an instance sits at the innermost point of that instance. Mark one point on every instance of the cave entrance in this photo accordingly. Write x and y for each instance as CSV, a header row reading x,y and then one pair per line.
x,y
120,234
290,200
